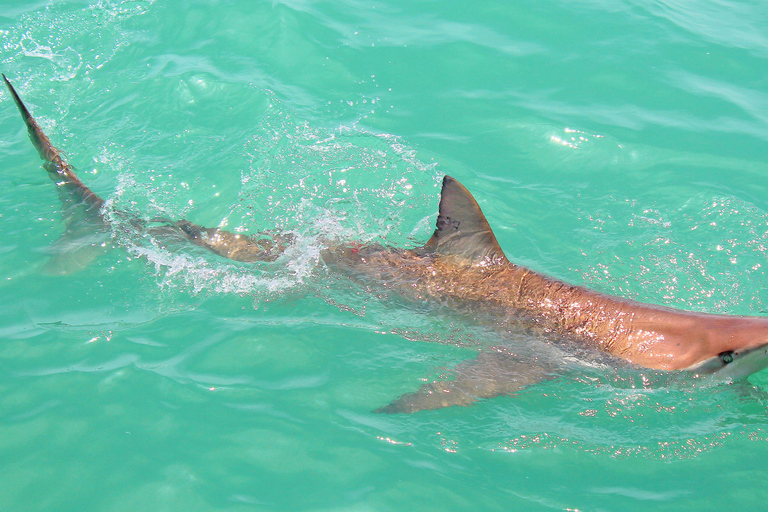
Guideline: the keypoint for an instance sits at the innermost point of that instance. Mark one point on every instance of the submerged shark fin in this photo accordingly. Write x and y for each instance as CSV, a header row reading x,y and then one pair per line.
x,y
493,373
462,229
86,233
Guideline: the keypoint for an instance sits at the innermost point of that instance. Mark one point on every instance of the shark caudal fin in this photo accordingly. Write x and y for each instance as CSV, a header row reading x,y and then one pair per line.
x,y
85,235
462,229
87,232
70,187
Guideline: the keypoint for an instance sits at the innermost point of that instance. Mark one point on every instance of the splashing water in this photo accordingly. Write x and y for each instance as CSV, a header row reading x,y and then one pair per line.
x,y
315,183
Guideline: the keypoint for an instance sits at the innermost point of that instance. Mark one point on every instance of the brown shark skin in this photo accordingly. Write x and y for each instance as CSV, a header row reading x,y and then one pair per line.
x,y
647,335
477,276
234,246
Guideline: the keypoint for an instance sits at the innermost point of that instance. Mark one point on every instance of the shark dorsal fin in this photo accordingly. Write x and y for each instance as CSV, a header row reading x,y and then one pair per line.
x,y
462,229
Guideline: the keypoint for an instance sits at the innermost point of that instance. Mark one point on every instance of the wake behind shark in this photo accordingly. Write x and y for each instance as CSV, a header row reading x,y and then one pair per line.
x,y
463,268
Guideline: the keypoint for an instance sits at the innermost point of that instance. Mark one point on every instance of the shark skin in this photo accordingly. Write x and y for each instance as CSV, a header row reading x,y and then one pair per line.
x,y
463,268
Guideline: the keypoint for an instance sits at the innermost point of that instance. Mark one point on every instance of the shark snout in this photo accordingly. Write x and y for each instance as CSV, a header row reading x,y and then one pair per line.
x,y
734,364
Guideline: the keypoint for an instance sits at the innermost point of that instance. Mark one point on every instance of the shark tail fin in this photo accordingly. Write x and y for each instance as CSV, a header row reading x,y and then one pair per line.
x,y
462,229
87,231
71,189
86,234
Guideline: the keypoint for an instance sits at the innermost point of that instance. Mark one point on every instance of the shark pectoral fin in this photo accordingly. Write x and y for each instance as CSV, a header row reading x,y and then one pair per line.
x,y
462,229
493,373
236,246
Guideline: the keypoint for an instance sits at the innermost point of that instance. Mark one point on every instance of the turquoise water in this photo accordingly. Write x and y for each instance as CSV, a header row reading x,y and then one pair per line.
x,y
620,144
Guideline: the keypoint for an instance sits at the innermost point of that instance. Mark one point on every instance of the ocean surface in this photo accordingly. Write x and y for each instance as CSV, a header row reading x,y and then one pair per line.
x,y
621,145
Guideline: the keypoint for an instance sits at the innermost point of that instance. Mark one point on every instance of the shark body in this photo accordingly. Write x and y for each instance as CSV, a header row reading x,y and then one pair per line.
x,y
463,267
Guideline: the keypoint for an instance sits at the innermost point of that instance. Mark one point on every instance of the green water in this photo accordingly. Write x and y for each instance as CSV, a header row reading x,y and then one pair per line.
x,y
620,144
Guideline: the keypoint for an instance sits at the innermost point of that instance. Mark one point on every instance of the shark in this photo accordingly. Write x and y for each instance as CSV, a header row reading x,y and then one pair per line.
x,y
462,269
